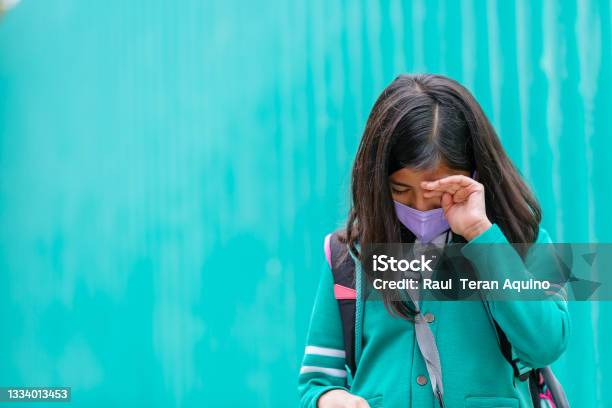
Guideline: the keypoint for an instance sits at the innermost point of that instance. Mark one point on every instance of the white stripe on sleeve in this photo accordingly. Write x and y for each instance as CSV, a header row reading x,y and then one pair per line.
x,y
329,371
325,351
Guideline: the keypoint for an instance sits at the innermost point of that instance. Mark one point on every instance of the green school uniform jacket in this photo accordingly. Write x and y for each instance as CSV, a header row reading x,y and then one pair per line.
x,y
390,369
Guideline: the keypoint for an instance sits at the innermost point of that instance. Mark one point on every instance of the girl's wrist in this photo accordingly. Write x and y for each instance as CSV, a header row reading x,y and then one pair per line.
x,y
477,229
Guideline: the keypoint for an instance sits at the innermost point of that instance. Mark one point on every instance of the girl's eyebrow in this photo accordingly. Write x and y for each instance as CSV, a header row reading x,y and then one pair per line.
x,y
400,184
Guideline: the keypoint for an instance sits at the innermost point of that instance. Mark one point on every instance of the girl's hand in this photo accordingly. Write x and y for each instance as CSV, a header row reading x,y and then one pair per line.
x,y
463,201
338,398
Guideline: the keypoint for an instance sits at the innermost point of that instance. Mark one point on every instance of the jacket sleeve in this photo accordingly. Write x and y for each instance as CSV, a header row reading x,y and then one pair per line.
x,y
538,330
323,364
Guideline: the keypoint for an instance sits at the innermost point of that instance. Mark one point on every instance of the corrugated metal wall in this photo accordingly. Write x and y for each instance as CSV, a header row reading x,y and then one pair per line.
x,y
168,171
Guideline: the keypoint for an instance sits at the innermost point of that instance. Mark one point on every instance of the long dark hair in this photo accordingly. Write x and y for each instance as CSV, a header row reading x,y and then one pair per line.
x,y
420,121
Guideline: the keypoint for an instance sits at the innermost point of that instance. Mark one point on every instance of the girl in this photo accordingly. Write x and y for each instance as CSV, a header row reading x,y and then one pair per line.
x,y
430,168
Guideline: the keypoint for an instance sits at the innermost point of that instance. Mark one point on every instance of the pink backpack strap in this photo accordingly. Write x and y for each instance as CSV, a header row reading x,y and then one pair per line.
x,y
342,292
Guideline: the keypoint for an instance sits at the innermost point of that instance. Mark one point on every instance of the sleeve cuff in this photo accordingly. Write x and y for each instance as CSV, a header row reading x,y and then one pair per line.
x,y
491,235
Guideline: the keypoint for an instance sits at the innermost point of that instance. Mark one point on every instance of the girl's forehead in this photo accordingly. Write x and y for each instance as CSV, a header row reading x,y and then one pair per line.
x,y
411,176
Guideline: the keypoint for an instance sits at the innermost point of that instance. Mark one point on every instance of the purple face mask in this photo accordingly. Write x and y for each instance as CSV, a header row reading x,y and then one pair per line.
x,y
425,225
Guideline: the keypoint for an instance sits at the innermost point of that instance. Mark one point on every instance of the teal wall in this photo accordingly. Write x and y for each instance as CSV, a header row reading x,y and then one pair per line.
x,y
168,171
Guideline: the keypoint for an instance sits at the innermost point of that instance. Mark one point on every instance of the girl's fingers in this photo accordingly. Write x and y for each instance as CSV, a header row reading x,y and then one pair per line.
x,y
447,201
450,184
453,188
458,188
462,194
458,195
456,198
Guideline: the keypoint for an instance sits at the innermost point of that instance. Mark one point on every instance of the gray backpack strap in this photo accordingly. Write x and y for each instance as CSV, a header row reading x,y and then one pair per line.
x,y
555,387
343,271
